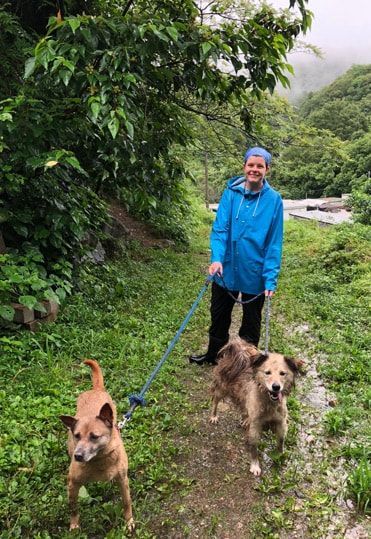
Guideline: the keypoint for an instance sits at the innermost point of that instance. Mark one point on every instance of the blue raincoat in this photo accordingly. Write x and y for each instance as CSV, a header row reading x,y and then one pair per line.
x,y
246,238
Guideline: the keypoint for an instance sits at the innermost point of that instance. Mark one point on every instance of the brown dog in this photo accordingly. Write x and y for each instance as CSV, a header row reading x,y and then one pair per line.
x,y
95,446
258,385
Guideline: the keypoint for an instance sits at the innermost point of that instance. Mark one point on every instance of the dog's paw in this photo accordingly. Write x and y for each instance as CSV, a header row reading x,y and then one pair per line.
x,y
130,525
255,469
214,419
74,526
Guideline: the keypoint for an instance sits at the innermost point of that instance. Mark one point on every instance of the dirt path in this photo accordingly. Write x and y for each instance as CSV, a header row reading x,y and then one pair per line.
x,y
301,498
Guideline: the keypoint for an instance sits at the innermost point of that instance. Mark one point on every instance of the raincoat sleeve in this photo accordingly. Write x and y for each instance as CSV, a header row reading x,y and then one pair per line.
x,y
220,230
272,260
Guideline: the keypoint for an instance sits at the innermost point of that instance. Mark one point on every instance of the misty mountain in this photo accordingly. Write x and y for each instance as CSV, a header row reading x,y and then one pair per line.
x,y
312,74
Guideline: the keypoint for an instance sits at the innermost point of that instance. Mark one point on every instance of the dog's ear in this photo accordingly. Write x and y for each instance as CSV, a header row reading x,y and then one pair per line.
x,y
296,365
258,359
69,421
106,415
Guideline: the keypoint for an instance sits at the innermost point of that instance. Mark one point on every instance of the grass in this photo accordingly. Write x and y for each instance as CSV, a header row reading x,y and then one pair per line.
x,y
325,285
125,315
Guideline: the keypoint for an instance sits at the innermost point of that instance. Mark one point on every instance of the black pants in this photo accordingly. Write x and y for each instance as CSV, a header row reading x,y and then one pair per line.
x,y
221,315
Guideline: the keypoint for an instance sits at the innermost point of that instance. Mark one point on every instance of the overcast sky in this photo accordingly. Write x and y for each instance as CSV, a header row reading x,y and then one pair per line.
x,y
340,27
342,30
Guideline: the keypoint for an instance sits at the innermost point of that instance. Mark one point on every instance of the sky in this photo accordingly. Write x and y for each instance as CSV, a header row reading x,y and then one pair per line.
x,y
342,30
340,27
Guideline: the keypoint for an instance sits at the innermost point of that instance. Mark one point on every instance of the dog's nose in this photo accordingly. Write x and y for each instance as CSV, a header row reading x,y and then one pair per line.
x,y
276,387
79,457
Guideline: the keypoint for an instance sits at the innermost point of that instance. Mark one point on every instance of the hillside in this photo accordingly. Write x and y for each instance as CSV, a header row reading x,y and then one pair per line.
x,y
344,106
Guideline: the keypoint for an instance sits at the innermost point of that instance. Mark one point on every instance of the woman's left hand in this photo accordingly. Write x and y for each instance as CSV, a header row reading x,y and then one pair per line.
x,y
269,293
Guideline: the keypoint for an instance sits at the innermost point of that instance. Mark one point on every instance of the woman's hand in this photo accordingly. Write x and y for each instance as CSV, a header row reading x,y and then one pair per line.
x,y
268,293
216,267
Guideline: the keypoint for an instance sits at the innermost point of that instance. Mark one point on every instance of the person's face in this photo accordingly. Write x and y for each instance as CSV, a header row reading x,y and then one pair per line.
x,y
255,169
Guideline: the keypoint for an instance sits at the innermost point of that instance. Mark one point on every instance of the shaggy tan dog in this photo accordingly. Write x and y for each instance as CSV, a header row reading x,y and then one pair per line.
x,y
95,446
258,385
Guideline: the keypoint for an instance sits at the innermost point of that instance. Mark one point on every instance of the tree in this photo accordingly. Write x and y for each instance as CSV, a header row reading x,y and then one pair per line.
x,y
309,165
343,106
105,105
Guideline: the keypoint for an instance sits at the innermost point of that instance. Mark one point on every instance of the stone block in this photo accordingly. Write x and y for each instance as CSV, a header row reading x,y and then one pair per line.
x,y
51,307
22,314
35,325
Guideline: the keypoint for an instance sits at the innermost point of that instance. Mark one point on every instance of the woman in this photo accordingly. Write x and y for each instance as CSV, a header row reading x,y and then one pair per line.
x,y
246,249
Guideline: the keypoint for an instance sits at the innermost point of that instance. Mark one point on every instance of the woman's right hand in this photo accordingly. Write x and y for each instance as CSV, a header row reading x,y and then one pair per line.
x,y
216,267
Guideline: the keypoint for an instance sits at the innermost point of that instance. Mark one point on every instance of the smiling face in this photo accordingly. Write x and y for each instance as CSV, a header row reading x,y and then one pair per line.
x,y
255,169
276,376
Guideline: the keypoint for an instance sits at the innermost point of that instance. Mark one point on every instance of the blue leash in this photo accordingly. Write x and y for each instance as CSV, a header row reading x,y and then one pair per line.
x,y
136,400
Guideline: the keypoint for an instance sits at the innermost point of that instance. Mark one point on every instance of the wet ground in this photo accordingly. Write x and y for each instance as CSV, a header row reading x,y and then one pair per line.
x,y
302,497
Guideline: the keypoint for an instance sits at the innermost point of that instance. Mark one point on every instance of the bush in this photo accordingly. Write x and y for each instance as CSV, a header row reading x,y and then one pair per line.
x,y
24,280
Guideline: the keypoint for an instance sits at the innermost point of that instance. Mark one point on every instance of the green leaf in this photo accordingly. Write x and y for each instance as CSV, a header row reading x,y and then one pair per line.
x,y
6,312
83,493
74,24
40,307
50,294
65,76
160,35
61,293
113,126
95,109
129,128
29,67
173,32
6,117
206,47
71,160
28,301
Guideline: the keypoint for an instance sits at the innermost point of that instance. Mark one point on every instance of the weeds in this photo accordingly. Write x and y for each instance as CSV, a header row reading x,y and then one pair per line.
x,y
359,482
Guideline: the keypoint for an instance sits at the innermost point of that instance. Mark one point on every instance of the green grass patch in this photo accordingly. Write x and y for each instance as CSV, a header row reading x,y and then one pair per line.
x,y
325,284
125,316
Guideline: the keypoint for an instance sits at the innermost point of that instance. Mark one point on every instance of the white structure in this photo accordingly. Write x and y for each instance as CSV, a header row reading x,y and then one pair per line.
x,y
297,209
322,217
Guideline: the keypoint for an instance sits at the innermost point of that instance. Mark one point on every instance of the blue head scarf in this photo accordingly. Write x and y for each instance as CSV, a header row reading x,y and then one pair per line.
x,y
261,153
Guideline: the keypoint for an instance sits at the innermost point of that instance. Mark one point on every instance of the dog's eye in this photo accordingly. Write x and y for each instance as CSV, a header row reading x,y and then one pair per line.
x,y
77,436
282,373
267,372
94,436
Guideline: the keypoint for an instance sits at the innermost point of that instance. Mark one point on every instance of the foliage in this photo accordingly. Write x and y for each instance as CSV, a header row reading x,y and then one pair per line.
x,y
343,106
360,485
357,165
325,283
326,151
345,119
309,164
360,202
23,280
14,43
124,317
104,104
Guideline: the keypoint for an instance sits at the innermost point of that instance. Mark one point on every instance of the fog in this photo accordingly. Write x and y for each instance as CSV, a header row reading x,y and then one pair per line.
x,y
342,30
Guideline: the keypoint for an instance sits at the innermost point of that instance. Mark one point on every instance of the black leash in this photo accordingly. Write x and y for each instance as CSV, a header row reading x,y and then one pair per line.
x,y
239,301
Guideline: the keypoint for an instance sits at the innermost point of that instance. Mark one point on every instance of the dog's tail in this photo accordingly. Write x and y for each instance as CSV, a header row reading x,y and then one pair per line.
x,y
96,374
234,359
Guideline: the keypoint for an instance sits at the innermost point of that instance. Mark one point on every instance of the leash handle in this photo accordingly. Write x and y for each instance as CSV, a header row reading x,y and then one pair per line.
x,y
267,319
